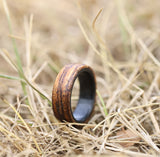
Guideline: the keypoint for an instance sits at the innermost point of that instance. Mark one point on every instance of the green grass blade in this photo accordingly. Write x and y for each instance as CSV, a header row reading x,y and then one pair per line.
x,y
102,102
11,77
26,82
18,60
54,67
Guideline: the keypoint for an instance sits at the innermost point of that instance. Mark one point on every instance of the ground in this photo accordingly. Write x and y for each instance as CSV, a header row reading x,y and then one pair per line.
x,y
119,39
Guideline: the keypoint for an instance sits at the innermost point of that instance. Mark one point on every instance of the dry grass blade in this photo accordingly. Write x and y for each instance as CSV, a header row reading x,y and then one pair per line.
x,y
5,101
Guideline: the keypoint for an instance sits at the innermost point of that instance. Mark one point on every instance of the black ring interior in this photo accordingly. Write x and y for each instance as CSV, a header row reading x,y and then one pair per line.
x,y
86,97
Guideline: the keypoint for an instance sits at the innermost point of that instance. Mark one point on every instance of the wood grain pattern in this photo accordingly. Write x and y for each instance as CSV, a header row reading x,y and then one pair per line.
x,y
62,90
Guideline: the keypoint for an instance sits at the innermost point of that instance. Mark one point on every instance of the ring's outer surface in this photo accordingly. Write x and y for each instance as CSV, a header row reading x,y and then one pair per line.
x,y
62,91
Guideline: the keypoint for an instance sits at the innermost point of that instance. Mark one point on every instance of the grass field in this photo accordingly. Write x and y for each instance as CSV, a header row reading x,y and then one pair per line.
x,y
119,39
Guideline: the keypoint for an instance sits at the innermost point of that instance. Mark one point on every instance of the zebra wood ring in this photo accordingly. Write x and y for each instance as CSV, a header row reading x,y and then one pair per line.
x,y
62,91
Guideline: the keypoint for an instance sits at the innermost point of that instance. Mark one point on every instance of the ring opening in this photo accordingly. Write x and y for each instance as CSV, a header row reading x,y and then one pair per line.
x,y
75,94
86,96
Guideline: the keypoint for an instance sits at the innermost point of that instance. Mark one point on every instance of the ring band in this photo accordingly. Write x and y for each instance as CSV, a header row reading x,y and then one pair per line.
x,y
62,91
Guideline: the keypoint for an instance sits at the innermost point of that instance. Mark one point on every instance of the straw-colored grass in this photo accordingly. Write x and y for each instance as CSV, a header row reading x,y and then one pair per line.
x,y
119,39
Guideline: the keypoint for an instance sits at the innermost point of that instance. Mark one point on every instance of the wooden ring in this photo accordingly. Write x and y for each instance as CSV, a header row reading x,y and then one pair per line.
x,y
62,91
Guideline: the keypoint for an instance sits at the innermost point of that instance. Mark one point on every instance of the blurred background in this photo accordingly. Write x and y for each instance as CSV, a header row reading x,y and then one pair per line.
x,y
57,38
